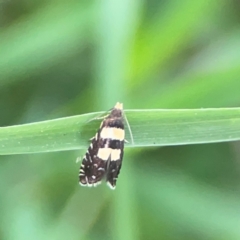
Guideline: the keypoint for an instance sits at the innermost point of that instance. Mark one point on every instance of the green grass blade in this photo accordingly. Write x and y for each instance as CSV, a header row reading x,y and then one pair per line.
x,y
53,33
156,127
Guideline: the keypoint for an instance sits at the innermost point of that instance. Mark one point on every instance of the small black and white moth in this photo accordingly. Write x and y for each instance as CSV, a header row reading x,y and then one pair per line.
x,y
103,158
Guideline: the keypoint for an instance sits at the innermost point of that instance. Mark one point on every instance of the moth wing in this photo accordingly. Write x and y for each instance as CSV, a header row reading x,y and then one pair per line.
x,y
93,168
114,166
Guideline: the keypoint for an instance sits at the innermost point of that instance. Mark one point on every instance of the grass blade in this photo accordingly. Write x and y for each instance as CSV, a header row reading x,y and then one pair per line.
x,y
154,127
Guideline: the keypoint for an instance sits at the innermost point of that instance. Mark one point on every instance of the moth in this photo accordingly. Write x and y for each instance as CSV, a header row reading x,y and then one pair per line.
x,y
104,156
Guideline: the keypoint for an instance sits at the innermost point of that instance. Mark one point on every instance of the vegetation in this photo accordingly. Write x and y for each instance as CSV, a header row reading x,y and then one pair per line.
x,y
175,67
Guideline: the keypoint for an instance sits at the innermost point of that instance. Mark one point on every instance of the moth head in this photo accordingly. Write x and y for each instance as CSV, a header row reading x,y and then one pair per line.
x,y
119,106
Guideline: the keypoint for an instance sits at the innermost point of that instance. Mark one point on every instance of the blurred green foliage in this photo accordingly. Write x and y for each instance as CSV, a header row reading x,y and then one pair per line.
x,y
62,58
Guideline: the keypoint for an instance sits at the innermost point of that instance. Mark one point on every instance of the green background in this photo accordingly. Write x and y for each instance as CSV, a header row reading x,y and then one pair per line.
x,y
63,58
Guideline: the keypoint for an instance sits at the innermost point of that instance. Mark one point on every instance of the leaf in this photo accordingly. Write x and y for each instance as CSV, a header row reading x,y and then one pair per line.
x,y
153,127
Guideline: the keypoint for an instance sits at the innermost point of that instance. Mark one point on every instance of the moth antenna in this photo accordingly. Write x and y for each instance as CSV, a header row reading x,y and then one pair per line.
x,y
129,128
100,117
96,118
